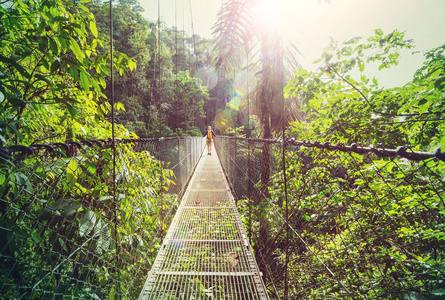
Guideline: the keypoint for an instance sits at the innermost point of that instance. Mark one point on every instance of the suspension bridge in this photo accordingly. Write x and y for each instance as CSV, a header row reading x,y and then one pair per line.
x,y
154,218
177,224
206,252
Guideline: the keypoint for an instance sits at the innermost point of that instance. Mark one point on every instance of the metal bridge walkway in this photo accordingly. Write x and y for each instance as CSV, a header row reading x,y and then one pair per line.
x,y
206,254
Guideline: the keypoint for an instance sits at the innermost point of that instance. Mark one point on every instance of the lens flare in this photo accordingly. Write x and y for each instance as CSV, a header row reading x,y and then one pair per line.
x,y
245,82
239,94
235,102
223,120
233,106
208,77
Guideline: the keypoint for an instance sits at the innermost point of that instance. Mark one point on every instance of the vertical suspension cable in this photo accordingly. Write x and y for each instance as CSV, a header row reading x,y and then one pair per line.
x,y
155,63
248,143
159,48
176,38
175,86
183,29
248,91
283,127
194,64
153,79
234,155
184,35
193,36
113,145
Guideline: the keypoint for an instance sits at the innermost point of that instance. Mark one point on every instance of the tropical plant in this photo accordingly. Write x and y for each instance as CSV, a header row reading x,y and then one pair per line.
x,y
50,68
238,32
242,41
372,222
348,108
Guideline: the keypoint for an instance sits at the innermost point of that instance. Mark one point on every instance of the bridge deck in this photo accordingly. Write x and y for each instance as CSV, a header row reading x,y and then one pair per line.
x,y
206,254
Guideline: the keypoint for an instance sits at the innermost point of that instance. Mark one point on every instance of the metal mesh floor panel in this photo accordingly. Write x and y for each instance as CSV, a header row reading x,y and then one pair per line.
x,y
205,254
205,176
207,224
208,185
209,168
203,287
208,198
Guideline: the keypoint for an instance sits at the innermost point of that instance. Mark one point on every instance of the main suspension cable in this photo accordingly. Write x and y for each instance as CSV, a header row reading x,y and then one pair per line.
x,y
285,221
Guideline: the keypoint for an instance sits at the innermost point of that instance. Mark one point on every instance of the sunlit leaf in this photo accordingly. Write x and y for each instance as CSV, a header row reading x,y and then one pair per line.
x,y
93,28
76,49
84,81
87,223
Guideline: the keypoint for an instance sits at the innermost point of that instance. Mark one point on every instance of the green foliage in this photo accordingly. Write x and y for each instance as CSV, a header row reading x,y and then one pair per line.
x,y
237,131
162,56
57,219
58,215
52,78
234,32
238,33
375,223
340,108
186,106
423,104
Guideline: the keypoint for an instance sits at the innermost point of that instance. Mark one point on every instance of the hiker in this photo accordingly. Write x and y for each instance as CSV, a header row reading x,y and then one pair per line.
x,y
210,134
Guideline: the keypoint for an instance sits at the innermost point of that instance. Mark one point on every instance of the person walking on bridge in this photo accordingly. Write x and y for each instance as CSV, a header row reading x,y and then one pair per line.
x,y
210,134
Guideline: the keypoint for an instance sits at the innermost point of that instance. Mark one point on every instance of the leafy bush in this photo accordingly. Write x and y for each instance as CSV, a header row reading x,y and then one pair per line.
x,y
62,231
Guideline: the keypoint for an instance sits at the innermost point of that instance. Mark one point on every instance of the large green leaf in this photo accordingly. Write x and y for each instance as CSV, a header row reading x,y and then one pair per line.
x,y
84,81
71,172
93,28
87,223
23,181
104,238
76,50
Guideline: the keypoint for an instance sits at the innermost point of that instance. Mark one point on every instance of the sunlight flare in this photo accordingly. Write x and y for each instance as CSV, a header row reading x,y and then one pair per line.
x,y
268,14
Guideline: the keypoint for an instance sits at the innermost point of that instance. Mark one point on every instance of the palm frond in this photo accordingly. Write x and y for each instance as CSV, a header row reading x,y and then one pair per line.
x,y
272,61
232,33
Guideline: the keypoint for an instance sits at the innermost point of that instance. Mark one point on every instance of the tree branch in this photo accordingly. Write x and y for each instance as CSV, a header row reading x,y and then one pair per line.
x,y
367,100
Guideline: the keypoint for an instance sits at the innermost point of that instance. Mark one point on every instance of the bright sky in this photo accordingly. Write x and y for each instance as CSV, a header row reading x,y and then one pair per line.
x,y
311,23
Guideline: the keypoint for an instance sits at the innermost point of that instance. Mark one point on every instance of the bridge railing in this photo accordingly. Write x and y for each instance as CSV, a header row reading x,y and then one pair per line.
x,y
66,231
341,221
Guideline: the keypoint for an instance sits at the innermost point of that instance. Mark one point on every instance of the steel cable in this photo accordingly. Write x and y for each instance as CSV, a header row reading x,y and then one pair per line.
x,y
336,162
